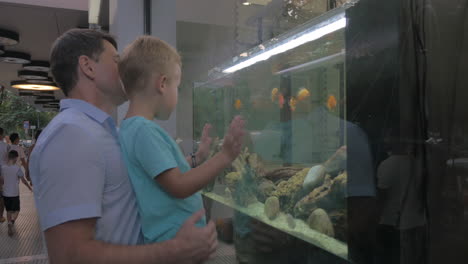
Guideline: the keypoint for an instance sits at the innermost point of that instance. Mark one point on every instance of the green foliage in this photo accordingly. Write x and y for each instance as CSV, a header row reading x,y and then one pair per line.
x,y
14,111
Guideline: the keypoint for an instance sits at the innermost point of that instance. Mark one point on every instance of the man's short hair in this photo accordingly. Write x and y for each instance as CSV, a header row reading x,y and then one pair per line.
x,y
14,137
13,154
67,49
1,131
144,58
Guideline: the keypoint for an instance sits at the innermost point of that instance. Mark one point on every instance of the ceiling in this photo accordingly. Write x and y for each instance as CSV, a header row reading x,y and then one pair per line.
x,y
38,27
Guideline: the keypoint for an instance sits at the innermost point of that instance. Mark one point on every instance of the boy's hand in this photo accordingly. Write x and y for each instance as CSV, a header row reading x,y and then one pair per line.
x,y
232,145
205,144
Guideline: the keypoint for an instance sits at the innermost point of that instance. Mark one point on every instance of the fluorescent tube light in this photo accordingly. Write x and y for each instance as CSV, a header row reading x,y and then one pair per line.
x,y
291,44
93,12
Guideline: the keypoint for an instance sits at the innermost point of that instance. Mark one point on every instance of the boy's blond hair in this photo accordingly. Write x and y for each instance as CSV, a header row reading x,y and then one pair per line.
x,y
143,59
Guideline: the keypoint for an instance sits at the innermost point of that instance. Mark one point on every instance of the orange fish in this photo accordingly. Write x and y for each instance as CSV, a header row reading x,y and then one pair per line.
x,y
274,94
292,104
331,103
303,94
238,104
281,100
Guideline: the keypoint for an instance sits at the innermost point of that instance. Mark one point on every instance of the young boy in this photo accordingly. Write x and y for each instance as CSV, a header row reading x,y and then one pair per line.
x,y
167,189
10,176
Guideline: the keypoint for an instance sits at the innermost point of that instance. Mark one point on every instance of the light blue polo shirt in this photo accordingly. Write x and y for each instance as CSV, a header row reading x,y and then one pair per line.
x,y
78,172
148,151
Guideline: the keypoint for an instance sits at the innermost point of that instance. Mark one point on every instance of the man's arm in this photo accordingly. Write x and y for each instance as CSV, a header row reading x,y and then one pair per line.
x,y
73,242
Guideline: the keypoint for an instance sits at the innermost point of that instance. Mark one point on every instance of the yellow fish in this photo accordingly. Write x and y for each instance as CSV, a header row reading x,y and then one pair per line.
x,y
331,102
303,94
274,94
238,104
293,103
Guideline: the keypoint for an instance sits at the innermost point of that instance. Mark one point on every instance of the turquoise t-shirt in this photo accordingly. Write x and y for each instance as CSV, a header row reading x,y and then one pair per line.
x,y
148,151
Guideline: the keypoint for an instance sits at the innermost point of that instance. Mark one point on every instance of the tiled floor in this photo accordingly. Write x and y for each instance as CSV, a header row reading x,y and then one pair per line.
x,y
27,246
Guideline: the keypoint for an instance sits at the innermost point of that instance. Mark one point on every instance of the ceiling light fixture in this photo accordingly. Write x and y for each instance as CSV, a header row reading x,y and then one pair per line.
x,y
33,75
246,3
33,86
45,97
15,57
37,66
26,93
8,38
329,26
49,80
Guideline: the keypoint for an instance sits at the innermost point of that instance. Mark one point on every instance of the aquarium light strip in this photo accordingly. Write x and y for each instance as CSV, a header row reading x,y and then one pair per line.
x,y
307,37
335,58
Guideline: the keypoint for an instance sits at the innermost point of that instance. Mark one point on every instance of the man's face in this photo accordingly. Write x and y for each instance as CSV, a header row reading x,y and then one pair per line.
x,y
107,75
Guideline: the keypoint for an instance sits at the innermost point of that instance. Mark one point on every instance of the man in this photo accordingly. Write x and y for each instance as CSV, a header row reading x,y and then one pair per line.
x,y
84,198
3,158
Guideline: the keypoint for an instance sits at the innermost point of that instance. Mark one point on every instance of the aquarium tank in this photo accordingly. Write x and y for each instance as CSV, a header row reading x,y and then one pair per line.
x,y
291,174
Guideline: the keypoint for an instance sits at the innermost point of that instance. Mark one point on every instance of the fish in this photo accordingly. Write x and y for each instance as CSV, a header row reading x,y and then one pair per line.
x,y
238,104
303,94
331,102
281,101
274,94
293,103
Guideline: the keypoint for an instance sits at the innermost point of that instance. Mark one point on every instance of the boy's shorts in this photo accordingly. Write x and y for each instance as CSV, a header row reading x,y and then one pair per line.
x,y
12,204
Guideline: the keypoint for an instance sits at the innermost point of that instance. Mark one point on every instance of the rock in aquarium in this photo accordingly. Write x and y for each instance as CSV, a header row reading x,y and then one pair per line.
x,y
320,222
291,222
272,207
314,178
265,189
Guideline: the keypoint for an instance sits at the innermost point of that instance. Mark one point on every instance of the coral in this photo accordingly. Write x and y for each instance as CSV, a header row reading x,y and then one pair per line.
x,y
232,178
286,191
281,174
330,196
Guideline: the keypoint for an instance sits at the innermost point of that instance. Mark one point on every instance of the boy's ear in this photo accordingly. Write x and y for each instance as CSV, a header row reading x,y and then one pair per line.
x,y
161,83
86,66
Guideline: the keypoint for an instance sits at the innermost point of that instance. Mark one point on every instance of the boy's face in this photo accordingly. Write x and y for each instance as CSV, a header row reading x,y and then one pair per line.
x,y
171,94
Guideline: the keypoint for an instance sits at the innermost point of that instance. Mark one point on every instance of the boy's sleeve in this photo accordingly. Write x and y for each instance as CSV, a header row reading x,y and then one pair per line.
x,y
153,153
69,172
20,173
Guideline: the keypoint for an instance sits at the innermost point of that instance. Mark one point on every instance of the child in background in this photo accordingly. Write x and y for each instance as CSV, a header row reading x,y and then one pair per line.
x,y
10,176
167,189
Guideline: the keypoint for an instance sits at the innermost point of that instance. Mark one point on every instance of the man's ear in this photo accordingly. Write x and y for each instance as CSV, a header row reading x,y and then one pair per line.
x,y
86,66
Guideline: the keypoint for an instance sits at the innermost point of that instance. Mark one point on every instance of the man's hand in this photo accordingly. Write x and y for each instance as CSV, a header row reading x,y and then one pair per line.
x,y
205,144
232,144
198,243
